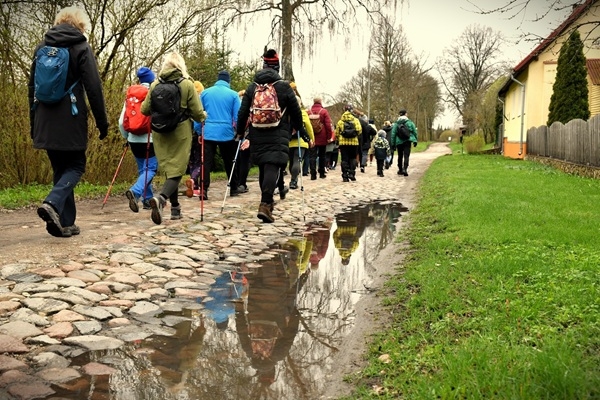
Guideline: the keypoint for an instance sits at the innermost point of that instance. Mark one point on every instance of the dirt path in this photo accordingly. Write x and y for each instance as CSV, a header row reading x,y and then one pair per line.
x,y
24,240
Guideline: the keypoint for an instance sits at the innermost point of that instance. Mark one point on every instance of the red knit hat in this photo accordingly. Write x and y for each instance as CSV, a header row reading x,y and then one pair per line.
x,y
271,59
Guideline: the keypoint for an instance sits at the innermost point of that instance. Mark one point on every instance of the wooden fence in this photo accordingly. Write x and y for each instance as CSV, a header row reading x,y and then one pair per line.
x,y
576,142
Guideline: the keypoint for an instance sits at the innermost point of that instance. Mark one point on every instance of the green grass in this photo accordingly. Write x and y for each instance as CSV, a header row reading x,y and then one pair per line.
x,y
499,295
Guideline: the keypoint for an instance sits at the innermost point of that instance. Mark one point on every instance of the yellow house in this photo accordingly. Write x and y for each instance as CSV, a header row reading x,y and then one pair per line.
x,y
526,95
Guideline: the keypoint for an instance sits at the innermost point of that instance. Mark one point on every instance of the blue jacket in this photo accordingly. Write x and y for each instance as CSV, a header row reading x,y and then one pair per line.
x,y
221,105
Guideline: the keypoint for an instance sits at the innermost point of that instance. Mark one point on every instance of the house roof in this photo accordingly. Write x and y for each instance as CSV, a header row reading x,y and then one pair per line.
x,y
593,68
577,12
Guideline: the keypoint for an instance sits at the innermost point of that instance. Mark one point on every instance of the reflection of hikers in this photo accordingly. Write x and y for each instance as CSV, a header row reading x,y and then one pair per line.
x,y
61,127
347,132
269,146
350,227
221,104
142,148
268,326
173,148
219,303
320,240
402,139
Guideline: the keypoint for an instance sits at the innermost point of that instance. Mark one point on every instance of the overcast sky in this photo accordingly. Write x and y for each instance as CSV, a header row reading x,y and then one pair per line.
x,y
429,25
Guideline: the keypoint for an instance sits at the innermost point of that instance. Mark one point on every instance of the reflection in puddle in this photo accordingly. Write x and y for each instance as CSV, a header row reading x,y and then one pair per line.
x,y
266,332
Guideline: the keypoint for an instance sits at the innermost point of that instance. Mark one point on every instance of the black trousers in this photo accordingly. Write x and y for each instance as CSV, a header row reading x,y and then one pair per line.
x,y
67,169
403,155
227,150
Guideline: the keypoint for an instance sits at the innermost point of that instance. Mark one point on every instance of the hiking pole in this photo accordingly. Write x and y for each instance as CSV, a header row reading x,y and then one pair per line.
x,y
147,167
125,147
231,174
301,161
202,174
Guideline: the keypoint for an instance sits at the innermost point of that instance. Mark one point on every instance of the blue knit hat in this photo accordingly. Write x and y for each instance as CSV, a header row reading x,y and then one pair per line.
x,y
145,75
224,76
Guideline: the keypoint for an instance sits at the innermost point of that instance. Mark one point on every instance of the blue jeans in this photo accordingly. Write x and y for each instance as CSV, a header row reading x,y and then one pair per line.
x,y
67,168
138,186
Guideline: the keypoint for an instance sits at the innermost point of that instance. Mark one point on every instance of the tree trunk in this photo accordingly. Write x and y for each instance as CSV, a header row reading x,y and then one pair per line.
x,y
286,41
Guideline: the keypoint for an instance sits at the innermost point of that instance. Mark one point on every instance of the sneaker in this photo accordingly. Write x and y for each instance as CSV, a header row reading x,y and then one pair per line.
x,y
283,192
294,185
400,172
362,169
264,213
189,184
146,204
157,204
345,180
49,214
243,189
322,175
233,192
313,176
72,230
204,195
176,212
405,173
196,192
133,204
352,178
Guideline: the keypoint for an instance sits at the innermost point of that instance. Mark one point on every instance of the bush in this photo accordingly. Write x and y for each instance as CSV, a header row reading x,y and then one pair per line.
x,y
474,143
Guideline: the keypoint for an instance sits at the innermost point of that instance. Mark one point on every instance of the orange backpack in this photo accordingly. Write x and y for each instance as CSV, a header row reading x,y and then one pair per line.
x,y
134,121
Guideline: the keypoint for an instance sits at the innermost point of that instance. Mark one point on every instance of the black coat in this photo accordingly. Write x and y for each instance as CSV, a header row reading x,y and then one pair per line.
x,y
388,133
368,133
53,127
271,145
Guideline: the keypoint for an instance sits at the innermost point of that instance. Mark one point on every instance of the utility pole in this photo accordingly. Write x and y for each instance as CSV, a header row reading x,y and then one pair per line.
x,y
369,84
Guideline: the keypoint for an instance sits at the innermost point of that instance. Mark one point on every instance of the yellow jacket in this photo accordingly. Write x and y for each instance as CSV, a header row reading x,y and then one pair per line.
x,y
339,128
309,130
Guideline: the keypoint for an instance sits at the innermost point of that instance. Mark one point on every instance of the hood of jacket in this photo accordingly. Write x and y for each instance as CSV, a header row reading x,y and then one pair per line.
x,y
266,75
348,116
63,35
170,74
387,128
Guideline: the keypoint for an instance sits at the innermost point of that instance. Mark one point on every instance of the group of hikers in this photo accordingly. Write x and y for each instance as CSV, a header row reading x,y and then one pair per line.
x,y
171,121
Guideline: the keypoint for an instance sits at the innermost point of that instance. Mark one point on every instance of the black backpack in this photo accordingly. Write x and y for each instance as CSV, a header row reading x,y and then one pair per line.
x,y
403,131
165,102
349,130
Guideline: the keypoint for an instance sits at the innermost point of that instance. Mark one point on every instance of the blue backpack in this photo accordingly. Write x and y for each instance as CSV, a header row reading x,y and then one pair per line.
x,y
51,67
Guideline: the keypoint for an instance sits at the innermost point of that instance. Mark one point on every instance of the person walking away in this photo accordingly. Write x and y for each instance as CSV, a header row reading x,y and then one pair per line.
x,y
323,131
139,139
59,124
381,150
195,163
173,135
404,133
269,145
243,163
347,132
222,105
387,127
367,136
306,140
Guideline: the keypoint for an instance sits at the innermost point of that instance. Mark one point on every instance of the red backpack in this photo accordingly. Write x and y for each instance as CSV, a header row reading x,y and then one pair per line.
x,y
265,111
134,121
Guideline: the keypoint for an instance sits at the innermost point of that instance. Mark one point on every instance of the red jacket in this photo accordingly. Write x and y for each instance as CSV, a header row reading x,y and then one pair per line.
x,y
326,135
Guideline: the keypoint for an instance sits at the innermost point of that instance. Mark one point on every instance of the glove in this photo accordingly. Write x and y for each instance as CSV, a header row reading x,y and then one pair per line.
x,y
103,133
304,135
414,144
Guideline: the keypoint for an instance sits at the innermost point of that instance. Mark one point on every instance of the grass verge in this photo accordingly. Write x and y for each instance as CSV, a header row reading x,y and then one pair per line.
x,y
499,296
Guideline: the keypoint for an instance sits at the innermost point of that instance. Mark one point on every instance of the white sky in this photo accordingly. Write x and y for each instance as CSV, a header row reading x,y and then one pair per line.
x,y
429,25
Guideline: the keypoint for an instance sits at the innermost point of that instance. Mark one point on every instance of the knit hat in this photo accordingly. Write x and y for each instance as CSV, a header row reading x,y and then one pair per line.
x,y
381,133
271,60
402,112
198,86
224,76
145,75
348,107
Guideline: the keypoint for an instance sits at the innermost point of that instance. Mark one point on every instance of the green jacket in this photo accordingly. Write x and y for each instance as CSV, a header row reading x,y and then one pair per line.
x,y
396,141
173,149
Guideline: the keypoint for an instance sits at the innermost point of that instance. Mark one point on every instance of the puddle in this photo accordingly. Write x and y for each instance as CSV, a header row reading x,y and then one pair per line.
x,y
262,332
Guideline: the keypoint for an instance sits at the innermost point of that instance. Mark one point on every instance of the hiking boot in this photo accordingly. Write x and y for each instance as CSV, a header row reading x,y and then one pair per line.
x,y
313,176
264,213
243,189
176,212
133,204
146,204
293,184
157,204
203,196
362,169
283,192
405,173
72,230
49,214
379,173
400,172
322,175
189,184
345,179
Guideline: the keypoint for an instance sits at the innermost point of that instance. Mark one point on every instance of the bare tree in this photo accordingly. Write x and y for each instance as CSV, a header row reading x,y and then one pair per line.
x,y
300,23
469,67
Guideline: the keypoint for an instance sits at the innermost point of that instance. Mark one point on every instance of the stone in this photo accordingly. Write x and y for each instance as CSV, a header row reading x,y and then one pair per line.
x,y
19,329
9,363
94,342
10,344
58,375
67,316
59,330
95,368
88,327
